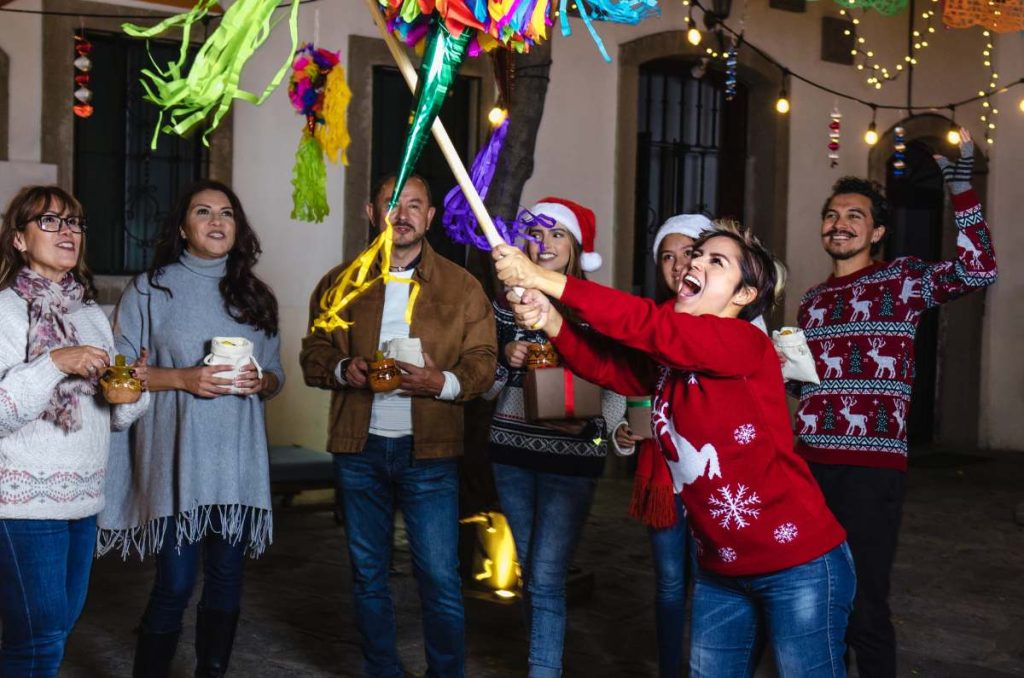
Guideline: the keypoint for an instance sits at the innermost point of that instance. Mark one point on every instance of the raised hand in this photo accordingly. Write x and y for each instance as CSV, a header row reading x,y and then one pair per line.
x,y
534,311
958,174
515,269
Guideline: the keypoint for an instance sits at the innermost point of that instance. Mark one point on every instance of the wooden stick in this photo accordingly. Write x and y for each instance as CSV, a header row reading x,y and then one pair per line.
x,y
440,134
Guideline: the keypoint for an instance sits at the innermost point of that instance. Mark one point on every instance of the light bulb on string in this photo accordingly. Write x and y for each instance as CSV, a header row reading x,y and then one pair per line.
x,y
953,134
1021,105
782,103
693,35
496,116
871,136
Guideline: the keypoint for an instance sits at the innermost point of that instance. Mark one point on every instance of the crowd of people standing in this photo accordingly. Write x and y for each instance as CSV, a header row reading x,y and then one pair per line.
x,y
782,544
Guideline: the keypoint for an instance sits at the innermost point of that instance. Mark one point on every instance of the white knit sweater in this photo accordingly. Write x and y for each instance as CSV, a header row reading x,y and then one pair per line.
x,y
44,472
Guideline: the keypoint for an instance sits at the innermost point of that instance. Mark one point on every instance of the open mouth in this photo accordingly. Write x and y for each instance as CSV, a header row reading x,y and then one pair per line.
x,y
690,286
216,235
839,236
546,256
66,245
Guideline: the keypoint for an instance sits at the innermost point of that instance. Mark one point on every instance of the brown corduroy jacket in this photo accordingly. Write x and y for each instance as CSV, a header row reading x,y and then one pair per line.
x,y
455,323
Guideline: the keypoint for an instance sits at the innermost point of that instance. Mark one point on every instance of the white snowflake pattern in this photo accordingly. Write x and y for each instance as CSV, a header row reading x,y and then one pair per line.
x,y
785,533
745,434
692,379
735,508
727,554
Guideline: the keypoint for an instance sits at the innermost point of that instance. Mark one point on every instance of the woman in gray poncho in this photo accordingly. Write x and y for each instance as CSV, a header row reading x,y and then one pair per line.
x,y
193,478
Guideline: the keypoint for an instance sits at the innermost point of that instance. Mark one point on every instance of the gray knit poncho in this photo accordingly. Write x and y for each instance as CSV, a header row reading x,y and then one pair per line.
x,y
188,456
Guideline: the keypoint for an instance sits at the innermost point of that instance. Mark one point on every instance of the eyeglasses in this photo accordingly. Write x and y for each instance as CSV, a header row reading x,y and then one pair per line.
x,y
51,223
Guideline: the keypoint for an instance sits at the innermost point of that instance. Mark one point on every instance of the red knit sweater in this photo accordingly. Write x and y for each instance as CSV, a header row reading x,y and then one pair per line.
x,y
721,420
860,329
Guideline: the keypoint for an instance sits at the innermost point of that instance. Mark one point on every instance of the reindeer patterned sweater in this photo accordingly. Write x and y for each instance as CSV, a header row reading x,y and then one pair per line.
x,y
861,330
721,420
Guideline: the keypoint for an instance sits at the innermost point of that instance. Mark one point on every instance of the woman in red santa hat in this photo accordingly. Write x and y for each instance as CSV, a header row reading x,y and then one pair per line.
x,y
546,473
772,560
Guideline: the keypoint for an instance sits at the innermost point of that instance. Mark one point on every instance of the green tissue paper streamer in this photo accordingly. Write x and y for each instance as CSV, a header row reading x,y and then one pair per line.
x,y
309,182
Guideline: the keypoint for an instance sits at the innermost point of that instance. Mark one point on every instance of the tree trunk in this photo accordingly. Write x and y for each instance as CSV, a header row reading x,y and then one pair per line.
x,y
515,166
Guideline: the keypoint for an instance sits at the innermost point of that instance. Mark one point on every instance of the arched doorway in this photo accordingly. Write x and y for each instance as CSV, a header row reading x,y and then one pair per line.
x,y
946,397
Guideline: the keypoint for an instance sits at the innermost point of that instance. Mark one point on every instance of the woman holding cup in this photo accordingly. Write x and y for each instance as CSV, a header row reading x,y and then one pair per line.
x,y
55,344
194,477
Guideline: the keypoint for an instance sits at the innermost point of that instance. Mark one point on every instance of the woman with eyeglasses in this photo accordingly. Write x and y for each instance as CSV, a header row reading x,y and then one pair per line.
x,y
55,343
193,490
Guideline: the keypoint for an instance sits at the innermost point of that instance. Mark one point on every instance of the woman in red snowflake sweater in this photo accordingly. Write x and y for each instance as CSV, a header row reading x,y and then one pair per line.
x,y
770,552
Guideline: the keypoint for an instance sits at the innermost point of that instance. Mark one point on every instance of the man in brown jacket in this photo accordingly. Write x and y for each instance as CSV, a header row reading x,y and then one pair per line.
x,y
401,447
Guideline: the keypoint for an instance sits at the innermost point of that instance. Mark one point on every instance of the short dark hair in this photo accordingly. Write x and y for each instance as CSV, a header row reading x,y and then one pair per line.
x,y
759,269
871,190
378,186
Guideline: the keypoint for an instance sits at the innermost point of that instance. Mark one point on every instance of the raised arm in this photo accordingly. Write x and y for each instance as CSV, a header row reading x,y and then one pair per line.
x,y
975,264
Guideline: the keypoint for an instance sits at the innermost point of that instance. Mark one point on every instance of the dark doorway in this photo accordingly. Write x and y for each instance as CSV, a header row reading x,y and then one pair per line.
x,y
917,202
691,152
391,104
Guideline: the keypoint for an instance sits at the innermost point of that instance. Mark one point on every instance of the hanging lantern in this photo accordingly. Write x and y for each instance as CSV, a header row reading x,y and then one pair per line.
x,y
899,166
83,64
833,137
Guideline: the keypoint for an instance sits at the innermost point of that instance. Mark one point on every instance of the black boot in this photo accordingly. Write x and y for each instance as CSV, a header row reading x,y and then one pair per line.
x,y
154,653
215,634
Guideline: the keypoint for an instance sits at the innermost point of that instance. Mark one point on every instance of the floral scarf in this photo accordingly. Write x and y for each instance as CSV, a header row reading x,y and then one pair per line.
x,y
49,304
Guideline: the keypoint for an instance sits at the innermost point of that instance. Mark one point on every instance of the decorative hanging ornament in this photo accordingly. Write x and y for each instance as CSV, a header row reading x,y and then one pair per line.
x,y
833,137
730,69
318,91
83,64
899,167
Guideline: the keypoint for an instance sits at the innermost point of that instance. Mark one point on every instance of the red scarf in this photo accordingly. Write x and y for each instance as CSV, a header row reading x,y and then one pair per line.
x,y
654,501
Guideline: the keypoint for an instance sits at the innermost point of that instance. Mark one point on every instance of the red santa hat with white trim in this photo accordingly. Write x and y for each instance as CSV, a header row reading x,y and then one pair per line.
x,y
579,221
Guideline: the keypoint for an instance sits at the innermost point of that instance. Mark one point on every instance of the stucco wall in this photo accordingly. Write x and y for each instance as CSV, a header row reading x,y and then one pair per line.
x,y
576,154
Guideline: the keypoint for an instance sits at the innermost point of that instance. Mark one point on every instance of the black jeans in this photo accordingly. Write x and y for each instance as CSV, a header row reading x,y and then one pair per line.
x,y
868,502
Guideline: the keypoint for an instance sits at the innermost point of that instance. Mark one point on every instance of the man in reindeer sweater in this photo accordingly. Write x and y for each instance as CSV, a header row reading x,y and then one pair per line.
x,y
860,326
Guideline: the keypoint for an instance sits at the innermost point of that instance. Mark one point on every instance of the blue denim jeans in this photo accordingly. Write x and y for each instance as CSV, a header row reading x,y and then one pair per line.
x,y
44,578
546,512
804,610
673,556
372,483
176,571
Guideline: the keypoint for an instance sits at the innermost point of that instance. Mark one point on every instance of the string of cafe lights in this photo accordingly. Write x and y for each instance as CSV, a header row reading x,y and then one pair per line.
x,y
783,103
879,74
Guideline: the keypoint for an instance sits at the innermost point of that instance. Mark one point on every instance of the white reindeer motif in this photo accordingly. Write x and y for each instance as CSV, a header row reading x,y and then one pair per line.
x,y
861,308
810,423
856,424
886,364
910,290
833,364
964,242
816,316
900,415
689,464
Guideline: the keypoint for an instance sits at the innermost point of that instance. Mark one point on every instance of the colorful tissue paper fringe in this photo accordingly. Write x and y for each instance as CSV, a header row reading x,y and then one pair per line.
x,y
459,221
211,83
318,91
512,24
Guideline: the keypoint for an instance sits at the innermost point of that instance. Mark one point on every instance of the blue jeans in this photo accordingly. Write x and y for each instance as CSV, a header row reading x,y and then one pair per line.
x,y
671,548
44,578
176,571
546,512
427,491
804,610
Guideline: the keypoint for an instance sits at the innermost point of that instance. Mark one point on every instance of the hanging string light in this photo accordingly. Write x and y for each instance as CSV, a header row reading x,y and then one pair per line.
x,y
877,73
693,35
988,111
782,103
953,133
871,136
